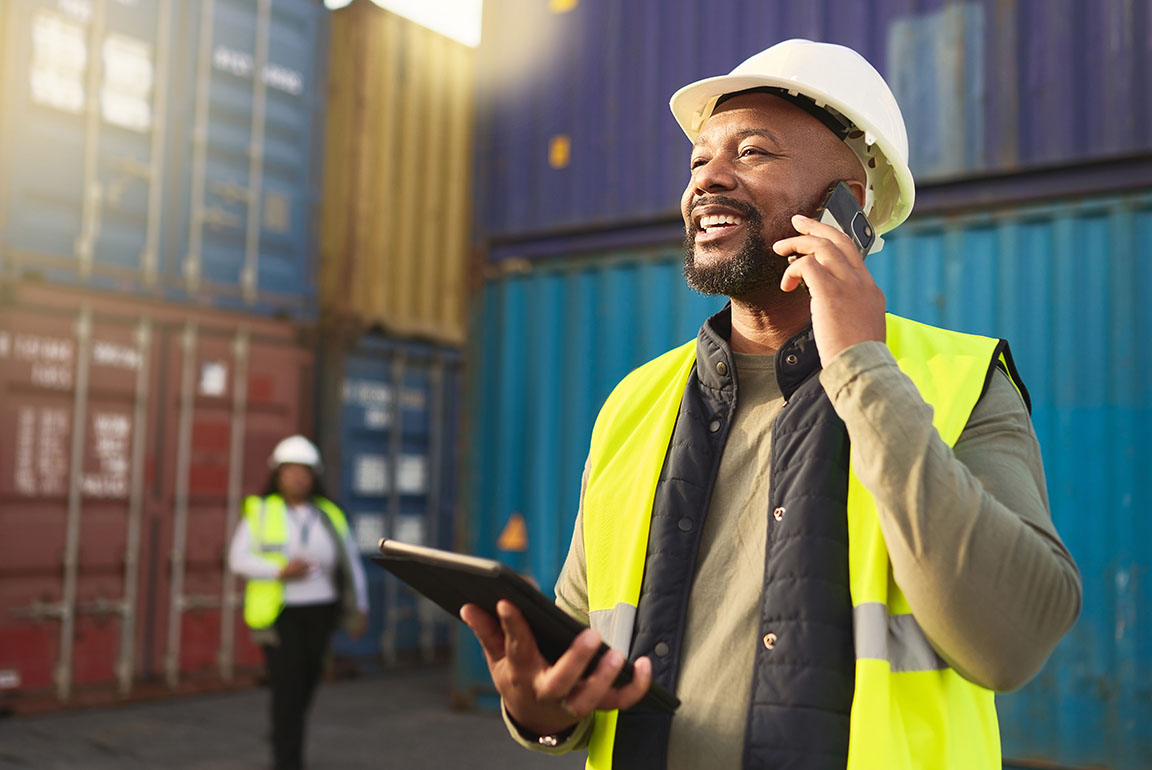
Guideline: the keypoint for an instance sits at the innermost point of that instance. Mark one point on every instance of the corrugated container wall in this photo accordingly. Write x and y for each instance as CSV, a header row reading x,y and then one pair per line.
x,y
574,126
165,148
1066,283
388,431
398,179
134,428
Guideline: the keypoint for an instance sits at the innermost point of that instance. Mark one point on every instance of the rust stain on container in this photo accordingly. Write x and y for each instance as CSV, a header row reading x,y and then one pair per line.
x,y
398,176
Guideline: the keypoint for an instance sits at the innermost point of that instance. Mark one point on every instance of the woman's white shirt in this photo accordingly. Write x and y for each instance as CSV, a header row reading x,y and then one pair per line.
x,y
307,538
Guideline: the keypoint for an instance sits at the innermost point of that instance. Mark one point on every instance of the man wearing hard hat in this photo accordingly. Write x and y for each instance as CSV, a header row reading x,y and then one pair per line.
x,y
823,527
304,579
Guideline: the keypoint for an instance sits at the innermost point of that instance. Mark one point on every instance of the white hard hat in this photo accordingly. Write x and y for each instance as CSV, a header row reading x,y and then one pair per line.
x,y
296,449
846,88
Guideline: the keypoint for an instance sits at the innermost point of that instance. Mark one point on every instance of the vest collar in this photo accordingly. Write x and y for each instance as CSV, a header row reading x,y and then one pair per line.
x,y
715,366
796,360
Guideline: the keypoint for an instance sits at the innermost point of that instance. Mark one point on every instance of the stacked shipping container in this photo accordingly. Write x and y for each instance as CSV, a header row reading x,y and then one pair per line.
x,y
156,208
392,299
396,189
162,159
394,457
166,148
1016,273
134,428
1025,163
575,132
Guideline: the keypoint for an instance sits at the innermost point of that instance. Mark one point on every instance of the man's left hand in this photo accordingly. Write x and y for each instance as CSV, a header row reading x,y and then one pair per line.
x,y
847,305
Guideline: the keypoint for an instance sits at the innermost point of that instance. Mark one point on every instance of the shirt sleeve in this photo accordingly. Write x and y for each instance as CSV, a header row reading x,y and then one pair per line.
x,y
572,584
245,562
359,582
574,740
968,528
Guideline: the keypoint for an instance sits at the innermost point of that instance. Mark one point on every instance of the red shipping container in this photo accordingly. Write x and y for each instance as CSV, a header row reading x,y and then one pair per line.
x,y
134,431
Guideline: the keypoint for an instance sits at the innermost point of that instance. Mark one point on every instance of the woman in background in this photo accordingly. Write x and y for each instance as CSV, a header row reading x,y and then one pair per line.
x,y
304,579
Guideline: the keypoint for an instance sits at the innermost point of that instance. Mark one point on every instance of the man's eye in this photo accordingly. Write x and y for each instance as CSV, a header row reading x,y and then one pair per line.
x,y
698,162
751,151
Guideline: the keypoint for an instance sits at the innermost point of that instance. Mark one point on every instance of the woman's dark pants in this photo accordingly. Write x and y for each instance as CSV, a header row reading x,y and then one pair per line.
x,y
294,668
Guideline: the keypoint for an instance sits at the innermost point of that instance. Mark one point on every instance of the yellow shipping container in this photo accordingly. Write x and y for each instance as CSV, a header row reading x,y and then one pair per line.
x,y
398,176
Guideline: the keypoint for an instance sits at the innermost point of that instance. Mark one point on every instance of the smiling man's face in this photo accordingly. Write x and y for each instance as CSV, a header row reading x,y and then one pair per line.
x,y
758,161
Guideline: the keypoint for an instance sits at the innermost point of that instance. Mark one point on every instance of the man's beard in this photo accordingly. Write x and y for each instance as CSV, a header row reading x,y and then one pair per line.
x,y
753,268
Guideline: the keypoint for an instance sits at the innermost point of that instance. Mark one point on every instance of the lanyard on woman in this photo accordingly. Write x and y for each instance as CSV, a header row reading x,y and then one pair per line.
x,y
304,522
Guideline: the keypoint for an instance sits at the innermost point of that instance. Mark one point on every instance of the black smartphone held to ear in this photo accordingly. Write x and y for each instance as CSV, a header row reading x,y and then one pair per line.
x,y
841,210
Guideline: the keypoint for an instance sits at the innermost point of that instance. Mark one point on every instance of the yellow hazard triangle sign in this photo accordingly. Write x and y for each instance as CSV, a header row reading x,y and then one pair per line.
x,y
515,534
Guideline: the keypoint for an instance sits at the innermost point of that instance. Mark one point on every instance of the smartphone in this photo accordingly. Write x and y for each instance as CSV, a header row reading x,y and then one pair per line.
x,y
841,210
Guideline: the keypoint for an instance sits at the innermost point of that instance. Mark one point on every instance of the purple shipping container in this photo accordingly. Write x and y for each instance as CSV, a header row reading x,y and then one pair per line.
x,y
575,130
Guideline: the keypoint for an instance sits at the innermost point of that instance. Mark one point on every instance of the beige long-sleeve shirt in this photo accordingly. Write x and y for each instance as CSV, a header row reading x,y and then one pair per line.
x,y
968,531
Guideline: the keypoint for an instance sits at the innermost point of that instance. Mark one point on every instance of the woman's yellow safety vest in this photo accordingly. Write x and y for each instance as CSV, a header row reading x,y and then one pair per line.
x,y
901,719
267,522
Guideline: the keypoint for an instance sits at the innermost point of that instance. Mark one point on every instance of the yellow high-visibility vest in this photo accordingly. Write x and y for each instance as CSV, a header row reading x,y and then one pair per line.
x,y
267,522
927,717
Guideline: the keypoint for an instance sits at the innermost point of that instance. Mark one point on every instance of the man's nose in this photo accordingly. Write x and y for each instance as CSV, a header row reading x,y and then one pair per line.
x,y
713,176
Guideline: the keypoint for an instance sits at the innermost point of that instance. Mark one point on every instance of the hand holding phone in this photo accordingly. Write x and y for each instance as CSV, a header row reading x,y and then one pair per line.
x,y
827,259
841,210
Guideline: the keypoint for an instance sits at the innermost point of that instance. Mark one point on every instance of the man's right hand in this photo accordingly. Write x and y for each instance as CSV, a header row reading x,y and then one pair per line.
x,y
543,697
294,569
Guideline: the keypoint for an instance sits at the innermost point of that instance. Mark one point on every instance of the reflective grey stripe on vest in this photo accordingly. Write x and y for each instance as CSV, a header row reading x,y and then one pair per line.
x,y
897,639
615,625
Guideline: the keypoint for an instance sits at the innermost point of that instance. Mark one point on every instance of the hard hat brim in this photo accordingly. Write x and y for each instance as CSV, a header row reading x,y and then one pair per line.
x,y
317,467
692,105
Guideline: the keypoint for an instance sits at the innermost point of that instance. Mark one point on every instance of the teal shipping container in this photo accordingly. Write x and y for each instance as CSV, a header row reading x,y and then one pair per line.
x,y
1066,283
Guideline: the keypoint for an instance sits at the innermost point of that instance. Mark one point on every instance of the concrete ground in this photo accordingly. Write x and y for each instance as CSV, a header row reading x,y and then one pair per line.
x,y
394,720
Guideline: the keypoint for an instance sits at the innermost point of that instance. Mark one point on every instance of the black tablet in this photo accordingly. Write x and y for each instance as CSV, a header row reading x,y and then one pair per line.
x,y
453,580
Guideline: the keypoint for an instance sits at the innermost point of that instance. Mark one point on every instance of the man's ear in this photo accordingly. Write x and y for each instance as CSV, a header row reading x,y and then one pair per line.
x,y
857,189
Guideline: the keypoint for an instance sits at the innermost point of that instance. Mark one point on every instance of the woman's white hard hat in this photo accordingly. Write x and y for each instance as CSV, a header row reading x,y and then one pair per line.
x,y
839,81
298,450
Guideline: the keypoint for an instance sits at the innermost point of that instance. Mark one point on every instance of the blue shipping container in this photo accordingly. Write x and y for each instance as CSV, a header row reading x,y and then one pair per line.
x,y
168,148
574,126
389,416
1066,284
